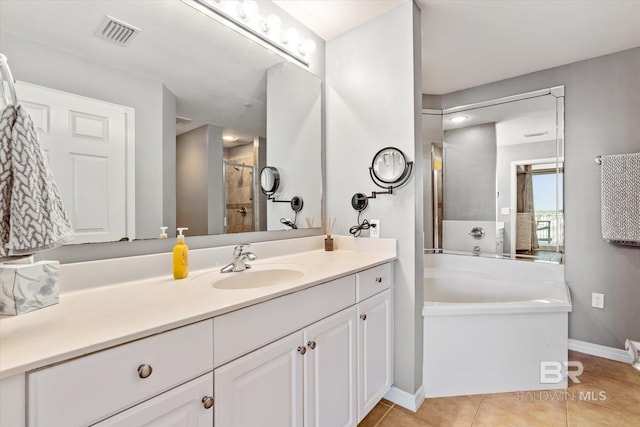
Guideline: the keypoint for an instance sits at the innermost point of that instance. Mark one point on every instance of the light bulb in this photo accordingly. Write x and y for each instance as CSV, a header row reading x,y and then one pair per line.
x,y
248,9
307,47
271,24
290,36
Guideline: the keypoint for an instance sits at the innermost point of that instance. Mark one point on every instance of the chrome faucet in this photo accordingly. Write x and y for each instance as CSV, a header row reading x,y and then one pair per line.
x,y
239,258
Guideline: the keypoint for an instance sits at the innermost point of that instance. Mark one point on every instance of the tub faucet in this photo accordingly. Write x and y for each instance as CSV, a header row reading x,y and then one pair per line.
x,y
476,250
239,257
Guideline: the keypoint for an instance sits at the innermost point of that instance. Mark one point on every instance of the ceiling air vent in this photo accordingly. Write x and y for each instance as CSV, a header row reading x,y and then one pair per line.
x,y
117,31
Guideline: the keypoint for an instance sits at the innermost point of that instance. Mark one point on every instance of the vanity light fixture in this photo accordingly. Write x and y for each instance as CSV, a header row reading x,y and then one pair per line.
x,y
248,9
271,23
458,119
243,17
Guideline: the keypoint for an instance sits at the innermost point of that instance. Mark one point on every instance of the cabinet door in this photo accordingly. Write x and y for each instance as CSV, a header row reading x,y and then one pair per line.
x,y
375,350
263,388
330,371
181,406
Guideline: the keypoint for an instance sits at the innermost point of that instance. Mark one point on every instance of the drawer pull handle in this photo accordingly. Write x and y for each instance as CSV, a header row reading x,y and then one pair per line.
x,y
208,402
144,371
379,279
302,349
363,316
312,345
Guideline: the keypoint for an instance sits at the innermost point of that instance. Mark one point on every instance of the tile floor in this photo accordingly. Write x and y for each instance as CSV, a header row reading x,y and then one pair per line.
x,y
614,389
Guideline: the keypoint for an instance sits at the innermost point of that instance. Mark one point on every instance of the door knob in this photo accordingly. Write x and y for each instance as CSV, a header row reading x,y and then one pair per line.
x,y
312,345
302,349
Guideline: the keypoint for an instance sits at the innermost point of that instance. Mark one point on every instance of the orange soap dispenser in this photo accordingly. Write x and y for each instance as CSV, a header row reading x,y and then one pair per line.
x,y
180,257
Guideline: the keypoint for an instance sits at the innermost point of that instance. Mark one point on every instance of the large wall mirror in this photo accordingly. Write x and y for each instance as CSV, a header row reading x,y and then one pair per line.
x,y
497,177
168,127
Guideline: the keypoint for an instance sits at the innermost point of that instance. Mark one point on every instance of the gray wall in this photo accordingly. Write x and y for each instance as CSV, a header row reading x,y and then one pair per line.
x,y
199,189
373,101
601,117
470,173
169,161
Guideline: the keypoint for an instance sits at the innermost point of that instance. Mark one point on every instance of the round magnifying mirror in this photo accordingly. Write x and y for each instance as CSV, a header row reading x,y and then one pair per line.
x,y
389,165
269,180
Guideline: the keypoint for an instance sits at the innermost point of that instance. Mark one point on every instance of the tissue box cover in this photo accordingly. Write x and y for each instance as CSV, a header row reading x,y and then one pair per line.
x,y
28,287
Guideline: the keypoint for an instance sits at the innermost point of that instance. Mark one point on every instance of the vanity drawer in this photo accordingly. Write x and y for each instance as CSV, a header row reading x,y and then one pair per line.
x,y
372,281
92,387
244,330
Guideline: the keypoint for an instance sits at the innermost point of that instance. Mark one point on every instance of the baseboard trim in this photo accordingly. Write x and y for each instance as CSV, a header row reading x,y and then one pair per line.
x,y
407,400
600,351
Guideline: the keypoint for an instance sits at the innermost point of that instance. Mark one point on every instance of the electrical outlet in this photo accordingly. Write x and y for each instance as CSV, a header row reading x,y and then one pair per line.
x,y
505,211
597,300
374,231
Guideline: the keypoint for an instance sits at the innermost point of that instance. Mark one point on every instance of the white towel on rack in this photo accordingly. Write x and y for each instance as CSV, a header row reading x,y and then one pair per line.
x,y
620,191
32,217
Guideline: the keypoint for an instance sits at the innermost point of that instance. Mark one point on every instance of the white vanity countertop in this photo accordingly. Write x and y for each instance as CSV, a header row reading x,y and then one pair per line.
x,y
95,319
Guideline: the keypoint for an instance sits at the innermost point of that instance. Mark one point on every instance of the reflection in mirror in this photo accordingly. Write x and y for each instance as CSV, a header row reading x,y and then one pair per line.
x,y
389,165
499,167
168,129
269,180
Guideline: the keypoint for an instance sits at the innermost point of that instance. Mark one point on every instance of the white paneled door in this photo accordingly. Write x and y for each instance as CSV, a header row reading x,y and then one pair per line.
x,y
89,146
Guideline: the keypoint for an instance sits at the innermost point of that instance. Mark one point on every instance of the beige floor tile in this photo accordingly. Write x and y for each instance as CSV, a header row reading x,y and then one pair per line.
x,y
375,415
449,411
613,394
581,414
605,368
545,406
400,417
491,415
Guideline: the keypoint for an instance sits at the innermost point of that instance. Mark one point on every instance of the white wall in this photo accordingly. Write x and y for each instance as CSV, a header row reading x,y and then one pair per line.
x,y
373,101
294,144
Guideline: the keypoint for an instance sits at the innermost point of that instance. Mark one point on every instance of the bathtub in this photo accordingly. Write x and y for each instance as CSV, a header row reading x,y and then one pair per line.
x,y
490,324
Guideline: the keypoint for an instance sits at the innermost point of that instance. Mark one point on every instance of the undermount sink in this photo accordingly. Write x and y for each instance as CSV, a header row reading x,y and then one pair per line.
x,y
259,276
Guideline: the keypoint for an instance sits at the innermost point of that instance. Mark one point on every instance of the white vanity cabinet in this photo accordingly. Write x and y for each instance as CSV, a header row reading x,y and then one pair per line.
x,y
327,373
320,356
90,388
307,378
189,405
375,336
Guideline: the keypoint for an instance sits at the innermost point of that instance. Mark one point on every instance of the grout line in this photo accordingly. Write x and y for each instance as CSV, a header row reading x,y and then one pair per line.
x,y
385,414
475,416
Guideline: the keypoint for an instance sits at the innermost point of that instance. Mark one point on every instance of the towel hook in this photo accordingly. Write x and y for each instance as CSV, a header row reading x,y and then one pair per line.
x,y
598,160
6,75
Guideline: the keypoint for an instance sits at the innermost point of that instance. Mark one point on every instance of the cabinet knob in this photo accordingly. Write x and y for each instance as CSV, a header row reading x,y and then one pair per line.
x,y
378,279
363,316
144,371
207,402
302,349
312,345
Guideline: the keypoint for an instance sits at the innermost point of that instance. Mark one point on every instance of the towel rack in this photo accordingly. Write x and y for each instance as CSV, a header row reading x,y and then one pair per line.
x,y
6,76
